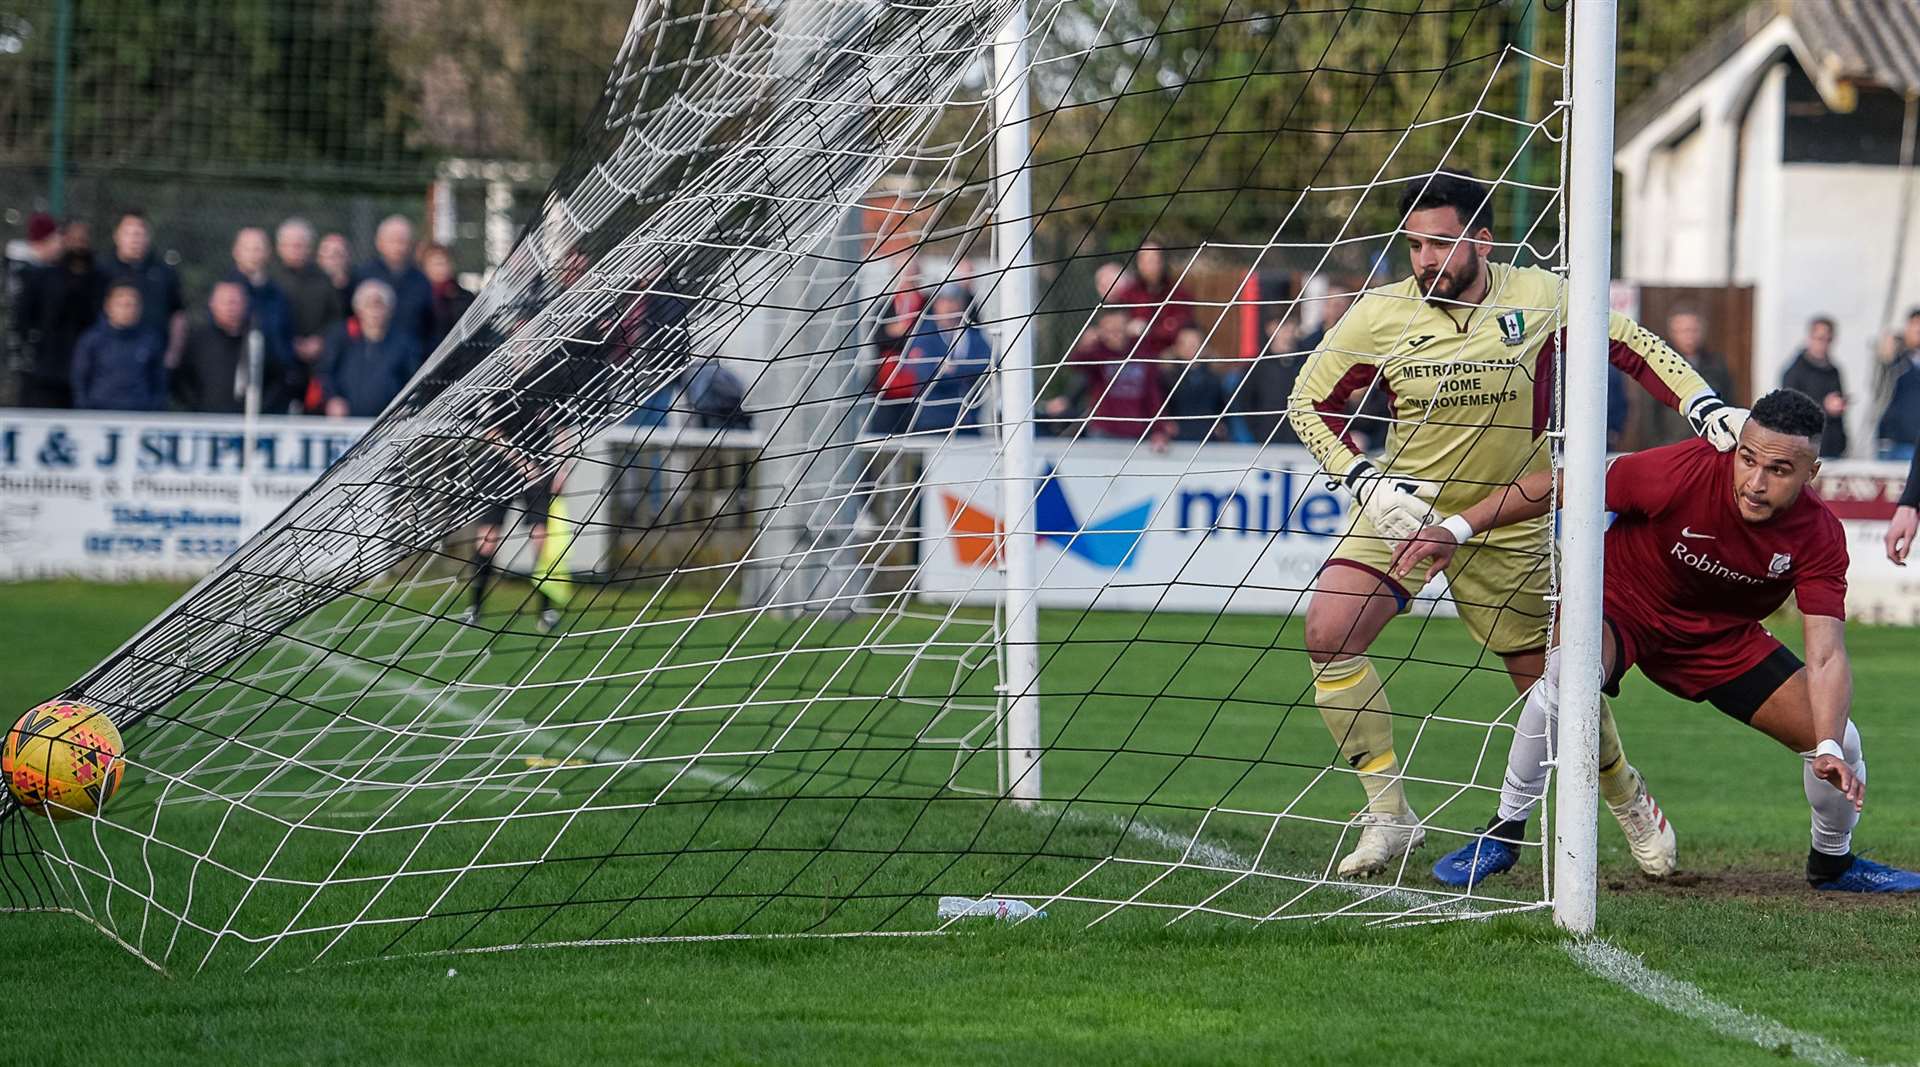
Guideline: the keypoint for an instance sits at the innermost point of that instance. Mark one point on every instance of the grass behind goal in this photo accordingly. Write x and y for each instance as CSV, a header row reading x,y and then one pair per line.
x,y
692,772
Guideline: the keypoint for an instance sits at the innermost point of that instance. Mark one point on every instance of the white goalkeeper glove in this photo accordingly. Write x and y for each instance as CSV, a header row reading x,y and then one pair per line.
x,y
1716,420
1397,507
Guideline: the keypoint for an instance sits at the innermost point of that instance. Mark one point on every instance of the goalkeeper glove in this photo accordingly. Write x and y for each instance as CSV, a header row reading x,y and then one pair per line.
x,y
1716,420
1397,507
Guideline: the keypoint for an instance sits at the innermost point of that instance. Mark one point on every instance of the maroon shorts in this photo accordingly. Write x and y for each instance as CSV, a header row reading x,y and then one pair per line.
x,y
1695,669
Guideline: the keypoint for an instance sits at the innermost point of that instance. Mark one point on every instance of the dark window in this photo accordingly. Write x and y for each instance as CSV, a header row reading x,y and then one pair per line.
x,y
1870,133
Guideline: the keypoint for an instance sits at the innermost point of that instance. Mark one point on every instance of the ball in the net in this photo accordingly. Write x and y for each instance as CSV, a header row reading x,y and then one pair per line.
x,y
62,759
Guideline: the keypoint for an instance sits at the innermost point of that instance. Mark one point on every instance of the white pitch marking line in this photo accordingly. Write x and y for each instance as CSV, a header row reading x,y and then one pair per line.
x,y
1597,956
1211,855
423,695
1628,971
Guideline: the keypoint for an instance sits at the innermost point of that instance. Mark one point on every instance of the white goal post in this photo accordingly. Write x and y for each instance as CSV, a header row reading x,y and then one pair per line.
x,y
1582,509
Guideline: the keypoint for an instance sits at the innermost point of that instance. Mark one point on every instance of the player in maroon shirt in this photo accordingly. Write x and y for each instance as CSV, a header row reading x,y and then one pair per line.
x,y
1705,545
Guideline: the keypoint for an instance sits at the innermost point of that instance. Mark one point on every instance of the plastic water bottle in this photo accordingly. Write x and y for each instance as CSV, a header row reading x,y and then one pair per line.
x,y
988,908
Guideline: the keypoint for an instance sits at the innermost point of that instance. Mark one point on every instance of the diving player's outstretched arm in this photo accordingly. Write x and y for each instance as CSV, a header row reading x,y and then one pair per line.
x,y
1830,690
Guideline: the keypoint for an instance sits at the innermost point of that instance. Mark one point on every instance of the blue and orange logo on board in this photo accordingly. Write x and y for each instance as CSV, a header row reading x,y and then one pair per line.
x,y
1108,542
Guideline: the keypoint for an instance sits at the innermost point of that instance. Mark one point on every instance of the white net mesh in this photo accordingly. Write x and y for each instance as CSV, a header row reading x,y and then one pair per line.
x,y
772,699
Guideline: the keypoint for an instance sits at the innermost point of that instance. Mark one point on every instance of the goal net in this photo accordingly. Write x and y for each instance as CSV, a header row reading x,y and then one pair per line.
x,y
860,522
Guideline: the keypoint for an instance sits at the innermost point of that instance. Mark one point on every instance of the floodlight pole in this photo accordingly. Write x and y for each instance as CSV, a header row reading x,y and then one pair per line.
x,y
1014,306
62,63
1583,504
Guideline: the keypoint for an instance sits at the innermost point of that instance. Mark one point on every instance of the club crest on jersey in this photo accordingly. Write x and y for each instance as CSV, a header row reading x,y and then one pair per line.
x,y
1513,328
1779,564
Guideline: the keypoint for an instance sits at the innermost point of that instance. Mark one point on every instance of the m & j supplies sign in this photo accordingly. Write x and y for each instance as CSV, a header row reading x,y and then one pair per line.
x,y
124,495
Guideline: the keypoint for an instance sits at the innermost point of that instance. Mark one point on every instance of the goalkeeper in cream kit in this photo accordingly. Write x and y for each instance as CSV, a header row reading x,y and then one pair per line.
x,y
1464,351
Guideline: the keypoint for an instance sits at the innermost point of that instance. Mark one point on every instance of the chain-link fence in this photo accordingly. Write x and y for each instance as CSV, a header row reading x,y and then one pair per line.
x,y
209,115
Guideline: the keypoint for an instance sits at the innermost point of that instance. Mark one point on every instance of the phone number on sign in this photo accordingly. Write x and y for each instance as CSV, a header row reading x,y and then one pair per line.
x,y
127,545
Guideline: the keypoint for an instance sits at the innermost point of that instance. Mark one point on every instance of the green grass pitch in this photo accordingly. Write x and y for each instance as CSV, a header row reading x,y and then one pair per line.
x,y
1742,928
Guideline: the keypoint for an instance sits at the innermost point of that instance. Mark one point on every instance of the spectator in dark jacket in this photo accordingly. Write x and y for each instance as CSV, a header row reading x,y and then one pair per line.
x,y
1900,423
1261,400
120,364
163,308
1812,372
40,248
267,311
448,301
952,356
335,260
58,302
1655,423
212,375
393,264
368,361
313,301
1196,393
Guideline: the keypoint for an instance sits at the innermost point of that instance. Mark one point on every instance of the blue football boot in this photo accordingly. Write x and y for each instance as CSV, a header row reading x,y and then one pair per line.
x,y
1474,862
1866,876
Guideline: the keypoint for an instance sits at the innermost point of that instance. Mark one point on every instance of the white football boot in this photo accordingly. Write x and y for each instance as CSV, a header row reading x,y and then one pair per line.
x,y
1649,835
1385,840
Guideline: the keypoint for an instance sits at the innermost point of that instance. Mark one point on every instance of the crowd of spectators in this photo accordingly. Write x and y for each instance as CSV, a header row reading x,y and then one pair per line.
x,y
1895,392
291,325
1148,368
113,329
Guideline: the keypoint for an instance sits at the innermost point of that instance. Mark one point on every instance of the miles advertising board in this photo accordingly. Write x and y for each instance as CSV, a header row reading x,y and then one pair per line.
x,y
1224,527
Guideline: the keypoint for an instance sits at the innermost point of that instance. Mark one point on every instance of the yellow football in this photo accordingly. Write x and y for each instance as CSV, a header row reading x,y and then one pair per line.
x,y
62,759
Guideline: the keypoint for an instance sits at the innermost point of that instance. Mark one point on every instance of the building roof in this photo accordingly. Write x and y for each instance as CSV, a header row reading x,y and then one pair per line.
x,y
1840,43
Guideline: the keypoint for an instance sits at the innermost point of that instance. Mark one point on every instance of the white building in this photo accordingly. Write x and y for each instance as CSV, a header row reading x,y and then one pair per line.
x,y
1779,154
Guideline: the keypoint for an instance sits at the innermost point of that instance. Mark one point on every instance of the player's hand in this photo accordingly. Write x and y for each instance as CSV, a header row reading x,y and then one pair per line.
x,y
1900,534
1397,507
1835,772
1717,421
1433,545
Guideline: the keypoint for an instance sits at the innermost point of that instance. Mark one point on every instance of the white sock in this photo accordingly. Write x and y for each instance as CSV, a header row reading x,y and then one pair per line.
x,y
1834,815
1528,755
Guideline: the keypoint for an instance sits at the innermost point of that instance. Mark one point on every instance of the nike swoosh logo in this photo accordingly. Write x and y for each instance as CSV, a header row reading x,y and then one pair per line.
x,y
1687,531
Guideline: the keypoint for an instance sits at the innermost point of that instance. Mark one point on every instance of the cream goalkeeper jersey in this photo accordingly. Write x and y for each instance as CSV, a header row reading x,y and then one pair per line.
x,y
1471,387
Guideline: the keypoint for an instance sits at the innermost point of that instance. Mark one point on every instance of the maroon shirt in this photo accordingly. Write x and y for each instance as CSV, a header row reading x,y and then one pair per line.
x,y
1680,561
1123,389
1162,310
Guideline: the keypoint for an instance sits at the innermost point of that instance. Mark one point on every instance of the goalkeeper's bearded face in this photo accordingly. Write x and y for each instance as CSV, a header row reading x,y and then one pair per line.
x,y
1446,261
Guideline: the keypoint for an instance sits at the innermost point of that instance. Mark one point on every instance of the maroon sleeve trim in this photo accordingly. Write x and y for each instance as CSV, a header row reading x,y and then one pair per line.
x,y
1635,366
1333,409
1543,380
